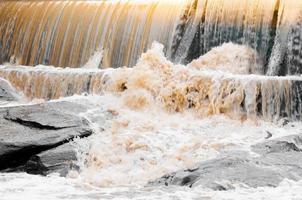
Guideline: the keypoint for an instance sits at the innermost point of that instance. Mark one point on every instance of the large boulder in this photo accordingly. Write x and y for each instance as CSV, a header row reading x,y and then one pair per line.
x,y
222,173
29,130
276,160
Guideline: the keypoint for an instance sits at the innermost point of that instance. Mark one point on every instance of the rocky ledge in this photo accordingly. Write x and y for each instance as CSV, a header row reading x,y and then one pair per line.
x,y
275,160
36,138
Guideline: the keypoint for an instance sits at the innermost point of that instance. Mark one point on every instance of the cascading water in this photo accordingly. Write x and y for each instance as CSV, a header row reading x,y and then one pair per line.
x,y
53,32
187,81
67,33
271,27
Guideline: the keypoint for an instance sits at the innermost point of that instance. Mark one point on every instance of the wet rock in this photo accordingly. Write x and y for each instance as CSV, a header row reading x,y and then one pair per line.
x,y
269,135
278,159
280,145
7,92
289,164
284,153
58,160
220,174
26,131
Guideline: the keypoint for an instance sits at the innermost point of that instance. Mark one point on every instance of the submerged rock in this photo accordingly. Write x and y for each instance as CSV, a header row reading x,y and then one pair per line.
x,y
26,131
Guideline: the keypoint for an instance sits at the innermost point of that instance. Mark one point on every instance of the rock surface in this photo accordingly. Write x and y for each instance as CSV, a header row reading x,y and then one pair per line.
x,y
58,160
27,131
278,159
280,145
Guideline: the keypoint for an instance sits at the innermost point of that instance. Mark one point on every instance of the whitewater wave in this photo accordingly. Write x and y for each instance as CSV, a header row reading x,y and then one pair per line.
x,y
159,117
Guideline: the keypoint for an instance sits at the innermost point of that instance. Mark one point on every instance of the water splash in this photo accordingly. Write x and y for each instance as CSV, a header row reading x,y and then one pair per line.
x,y
95,61
217,83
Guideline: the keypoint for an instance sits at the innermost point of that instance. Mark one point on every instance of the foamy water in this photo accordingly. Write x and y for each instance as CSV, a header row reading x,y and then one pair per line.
x,y
14,186
131,148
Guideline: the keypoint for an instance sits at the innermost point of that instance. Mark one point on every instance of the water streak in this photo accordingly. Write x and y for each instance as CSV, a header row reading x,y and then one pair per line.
x,y
53,32
67,33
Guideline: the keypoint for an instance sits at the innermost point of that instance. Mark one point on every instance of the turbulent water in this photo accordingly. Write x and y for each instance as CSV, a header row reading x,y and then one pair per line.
x,y
139,146
221,76
51,188
162,118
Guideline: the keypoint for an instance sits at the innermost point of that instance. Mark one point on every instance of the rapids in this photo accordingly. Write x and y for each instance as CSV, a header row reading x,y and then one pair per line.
x,y
156,118
223,76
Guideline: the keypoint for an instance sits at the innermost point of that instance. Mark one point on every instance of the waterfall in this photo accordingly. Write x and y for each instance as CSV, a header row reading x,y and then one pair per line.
x,y
67,33
272,27
54,33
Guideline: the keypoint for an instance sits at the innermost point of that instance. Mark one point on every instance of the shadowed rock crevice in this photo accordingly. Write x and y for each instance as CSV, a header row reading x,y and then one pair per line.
x,y
18,160
36,125
28,132
60,160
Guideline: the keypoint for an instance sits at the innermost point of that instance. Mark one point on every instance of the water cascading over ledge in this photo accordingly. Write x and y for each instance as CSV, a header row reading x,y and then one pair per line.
x,y
67,33
272,27
54,33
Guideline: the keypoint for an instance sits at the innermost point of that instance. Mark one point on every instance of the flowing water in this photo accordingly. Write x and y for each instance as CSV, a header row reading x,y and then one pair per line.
x,y
67,33
207,86
136,114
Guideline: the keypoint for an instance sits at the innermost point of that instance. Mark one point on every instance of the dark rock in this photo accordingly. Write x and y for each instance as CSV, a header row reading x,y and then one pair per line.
x,y
269,135
285,122
57,160
30,130
7,92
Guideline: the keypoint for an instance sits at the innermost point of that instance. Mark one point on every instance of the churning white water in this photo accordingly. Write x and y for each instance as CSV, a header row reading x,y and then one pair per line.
x,y
13,186
147,123
132,148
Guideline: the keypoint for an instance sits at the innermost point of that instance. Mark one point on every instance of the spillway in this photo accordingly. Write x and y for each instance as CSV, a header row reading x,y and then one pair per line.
x,y
67,33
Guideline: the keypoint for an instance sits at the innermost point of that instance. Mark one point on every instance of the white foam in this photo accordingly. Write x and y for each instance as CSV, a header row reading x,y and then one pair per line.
x,y
13,186
134,147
